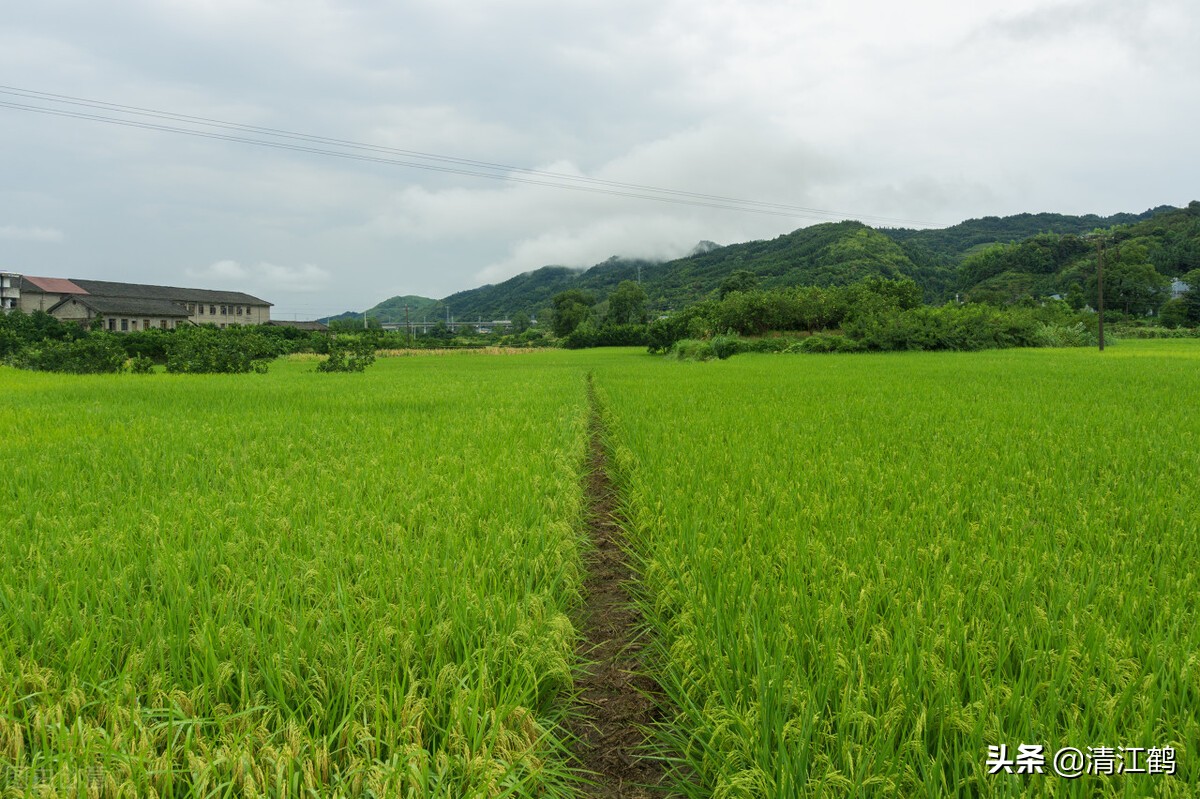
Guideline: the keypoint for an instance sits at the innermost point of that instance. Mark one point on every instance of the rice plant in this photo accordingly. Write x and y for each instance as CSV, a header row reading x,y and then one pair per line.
x,y
291,585
863,571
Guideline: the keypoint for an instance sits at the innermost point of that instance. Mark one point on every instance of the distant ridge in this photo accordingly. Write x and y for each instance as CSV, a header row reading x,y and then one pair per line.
x,y
831,253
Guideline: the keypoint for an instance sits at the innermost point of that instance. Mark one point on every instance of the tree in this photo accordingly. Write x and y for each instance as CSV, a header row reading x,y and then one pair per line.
x,y
1134,288
571,307
740,280
1191,297
348,353
520,322
627,304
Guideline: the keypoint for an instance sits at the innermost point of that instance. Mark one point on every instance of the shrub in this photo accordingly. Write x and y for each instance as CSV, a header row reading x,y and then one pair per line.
x,y
1155,332
141,365
146,343
348,354
826,342
769,344
207,350
96,354
724,346
690,349
1076,335
608,335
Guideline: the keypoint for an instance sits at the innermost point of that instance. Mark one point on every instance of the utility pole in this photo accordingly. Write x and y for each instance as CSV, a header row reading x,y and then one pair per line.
x,y
408,325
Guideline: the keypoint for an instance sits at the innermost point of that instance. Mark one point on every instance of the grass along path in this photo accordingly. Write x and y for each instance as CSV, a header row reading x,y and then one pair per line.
x,y
616,699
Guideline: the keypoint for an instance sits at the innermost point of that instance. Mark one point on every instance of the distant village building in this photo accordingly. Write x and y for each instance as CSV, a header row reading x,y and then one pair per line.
x,y
10,291
125,307
1178,288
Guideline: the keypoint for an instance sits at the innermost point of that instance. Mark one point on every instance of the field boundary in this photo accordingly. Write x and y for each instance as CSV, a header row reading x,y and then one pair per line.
x,y
617,701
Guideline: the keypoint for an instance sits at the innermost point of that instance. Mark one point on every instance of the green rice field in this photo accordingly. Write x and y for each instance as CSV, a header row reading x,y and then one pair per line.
x,y
857,573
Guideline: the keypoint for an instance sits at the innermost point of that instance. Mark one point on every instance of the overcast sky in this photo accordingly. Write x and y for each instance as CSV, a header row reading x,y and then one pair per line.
x,y
932,111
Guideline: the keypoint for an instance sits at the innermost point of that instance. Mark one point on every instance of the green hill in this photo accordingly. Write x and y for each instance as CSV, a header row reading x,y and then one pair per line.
x,y
833,253
1141,261
942,261
392,310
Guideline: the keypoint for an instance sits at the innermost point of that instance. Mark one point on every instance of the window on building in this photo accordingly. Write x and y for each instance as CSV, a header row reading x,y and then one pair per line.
x,y
239,310
133,324
192,308
112,324
162,324
212,310
145,324
224,310
124,325
200,310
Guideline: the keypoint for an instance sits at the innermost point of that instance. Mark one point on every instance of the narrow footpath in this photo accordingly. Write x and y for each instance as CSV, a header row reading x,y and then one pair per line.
x,y
617,701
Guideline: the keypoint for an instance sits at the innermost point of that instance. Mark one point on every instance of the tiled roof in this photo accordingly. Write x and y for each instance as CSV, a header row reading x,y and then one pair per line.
x,y
129,306
105,288
49,285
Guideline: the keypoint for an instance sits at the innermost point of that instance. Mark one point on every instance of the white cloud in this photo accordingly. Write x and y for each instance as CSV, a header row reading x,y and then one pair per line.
x,y
936,110
47,235
650,236
232,275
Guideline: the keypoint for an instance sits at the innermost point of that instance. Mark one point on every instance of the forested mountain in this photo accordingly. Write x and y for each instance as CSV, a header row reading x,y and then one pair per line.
x,y
1141,262
995,258
962,238
825,254
529,292
392,310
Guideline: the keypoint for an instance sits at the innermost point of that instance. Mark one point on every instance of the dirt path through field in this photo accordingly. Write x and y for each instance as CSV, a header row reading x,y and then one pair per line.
x,y
616,701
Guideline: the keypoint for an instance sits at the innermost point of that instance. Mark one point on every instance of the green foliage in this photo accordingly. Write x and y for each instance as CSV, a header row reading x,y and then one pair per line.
x,y
11,343
392,310
1048,334
141,365
1174,313
571,308
1191,297
348,354
725,346
354,324
208,350
98,353
826,343
1040,254
692,350
1153,332
1131,284
588,334
150,344
530,292
626,305
741,280
949,327
967,236
35,327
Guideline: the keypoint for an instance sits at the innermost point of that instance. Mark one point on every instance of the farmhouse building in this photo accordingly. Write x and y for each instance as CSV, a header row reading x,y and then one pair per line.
x,y
10,291
125,307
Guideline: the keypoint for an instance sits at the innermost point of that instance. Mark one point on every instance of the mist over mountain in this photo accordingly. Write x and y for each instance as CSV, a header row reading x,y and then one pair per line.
x,y
833,253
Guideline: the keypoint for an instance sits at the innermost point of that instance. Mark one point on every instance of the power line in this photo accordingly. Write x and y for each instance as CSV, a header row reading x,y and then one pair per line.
x,y
452,164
